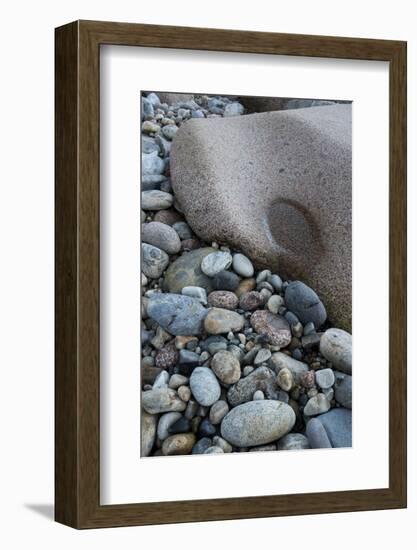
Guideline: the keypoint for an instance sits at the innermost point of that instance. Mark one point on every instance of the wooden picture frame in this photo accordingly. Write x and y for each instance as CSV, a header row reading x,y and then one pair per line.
x,y
77,384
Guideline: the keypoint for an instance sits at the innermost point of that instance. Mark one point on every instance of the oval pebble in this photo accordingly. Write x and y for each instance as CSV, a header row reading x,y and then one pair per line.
x,y
242,265
336,347
162,236
257,423
204,386
156,200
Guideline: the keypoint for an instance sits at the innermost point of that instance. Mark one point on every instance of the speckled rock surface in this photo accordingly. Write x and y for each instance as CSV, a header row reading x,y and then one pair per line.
x,y
232,174
257,423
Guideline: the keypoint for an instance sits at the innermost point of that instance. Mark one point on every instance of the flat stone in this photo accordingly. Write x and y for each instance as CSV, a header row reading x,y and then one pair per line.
x,y
343,389
224,299
178,444
204,386
162,400
219,321
275,328
243,266
156,200
338,426
178,315
325,378
162,236
215,262
154,261
226,367
186,271
289,160
281,360
304,302
336,347
293,442
262,356
195,292
317,405
261,378
257,423
317,435
165,421
148,431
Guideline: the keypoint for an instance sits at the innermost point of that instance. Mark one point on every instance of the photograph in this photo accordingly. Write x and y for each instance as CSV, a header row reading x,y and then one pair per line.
x,y
246,273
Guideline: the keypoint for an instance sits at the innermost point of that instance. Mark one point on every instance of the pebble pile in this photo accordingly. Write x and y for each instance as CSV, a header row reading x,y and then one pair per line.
x,y
233,359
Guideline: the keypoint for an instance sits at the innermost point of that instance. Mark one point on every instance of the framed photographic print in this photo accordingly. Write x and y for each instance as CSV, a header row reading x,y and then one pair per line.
x,y
230,274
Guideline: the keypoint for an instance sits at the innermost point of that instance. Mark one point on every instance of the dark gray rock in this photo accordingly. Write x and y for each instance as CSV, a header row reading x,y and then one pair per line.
x,y
179,315
201,446
304,302
180,426
225,280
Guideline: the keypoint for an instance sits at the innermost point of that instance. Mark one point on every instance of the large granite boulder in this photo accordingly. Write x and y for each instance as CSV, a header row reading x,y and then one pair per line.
x,y
277,186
